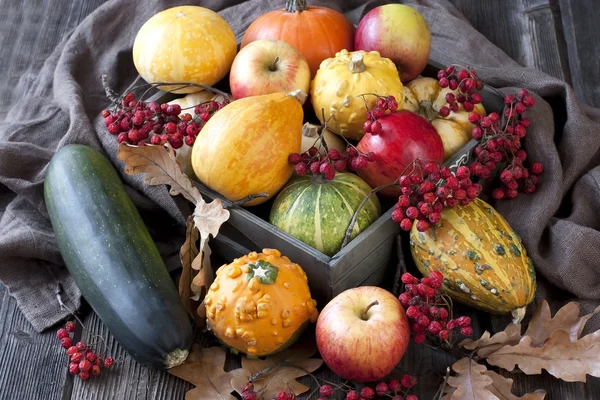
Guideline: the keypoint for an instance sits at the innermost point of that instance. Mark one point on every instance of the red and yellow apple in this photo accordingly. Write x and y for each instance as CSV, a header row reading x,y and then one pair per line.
x,y
268,66
397,32
363,333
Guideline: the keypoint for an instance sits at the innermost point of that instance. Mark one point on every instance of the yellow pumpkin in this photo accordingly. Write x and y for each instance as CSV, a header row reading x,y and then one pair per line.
x,y
260,303
243,149
424,96
481,257
349,74
184,44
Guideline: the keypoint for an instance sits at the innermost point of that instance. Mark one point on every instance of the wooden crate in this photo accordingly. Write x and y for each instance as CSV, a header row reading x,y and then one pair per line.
x,y
363,261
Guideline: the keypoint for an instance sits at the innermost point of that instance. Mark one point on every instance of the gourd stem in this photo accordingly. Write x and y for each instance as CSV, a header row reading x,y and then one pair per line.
x,y
357,63
366,312
273,66
295,5
310,130
298,95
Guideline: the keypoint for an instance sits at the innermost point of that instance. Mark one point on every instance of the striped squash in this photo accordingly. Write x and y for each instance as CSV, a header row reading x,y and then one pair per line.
x,y
318,212
482,258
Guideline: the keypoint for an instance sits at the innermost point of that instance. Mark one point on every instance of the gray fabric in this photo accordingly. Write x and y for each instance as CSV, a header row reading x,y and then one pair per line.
x,y
559,223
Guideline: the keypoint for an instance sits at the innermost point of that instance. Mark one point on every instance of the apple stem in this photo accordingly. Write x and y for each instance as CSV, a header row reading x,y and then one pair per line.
x,y
273,66
364,314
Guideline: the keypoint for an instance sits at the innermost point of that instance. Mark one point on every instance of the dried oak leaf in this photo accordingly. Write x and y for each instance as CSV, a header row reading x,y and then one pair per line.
x,y
204,369
501,387
161,168
562,358
189,251
487,344
470,382
567,319
282,378
549,343
208,218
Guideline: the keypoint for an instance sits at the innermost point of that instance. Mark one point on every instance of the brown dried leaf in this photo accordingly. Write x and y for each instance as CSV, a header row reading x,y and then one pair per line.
x,y
562,358
470,382
501,387
208,218
487,344
204,369
567,319
161,168
282,377
188,252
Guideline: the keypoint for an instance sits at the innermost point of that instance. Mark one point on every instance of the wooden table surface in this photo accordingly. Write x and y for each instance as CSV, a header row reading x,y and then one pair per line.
x,y
559,37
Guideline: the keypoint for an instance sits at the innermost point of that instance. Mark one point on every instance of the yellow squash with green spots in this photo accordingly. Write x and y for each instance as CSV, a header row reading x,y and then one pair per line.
x,y
260,303
482,258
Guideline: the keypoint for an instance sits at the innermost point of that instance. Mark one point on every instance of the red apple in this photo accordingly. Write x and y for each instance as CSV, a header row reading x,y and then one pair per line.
x,y
363,333
404,137
268,66
397,32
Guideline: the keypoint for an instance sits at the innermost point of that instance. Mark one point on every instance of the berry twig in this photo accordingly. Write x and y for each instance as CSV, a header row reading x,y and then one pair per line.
x,y
137,122
245,200
430,311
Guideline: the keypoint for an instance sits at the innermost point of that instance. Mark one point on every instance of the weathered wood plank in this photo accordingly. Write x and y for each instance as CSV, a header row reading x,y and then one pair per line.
x,y
32,365
523,29
582,31
127,379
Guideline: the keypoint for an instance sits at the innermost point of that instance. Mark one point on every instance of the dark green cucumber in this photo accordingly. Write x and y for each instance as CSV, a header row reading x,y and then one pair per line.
x,y
112,258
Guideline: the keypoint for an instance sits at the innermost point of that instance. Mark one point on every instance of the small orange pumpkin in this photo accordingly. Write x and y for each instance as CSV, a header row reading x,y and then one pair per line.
x,y
260,303
317,32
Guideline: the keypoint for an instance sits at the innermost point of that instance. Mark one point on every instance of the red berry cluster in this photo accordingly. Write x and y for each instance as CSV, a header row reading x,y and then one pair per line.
x,y
500,142
83,361
137,122
465,84
383,104
429,309
327,165
394,389
426,189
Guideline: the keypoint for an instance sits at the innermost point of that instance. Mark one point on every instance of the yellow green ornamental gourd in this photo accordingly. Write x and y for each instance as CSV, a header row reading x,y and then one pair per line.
x,y
260,303
481,257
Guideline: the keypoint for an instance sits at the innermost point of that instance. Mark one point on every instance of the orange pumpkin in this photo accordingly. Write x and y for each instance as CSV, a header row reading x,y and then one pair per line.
x,y
260,303
317,32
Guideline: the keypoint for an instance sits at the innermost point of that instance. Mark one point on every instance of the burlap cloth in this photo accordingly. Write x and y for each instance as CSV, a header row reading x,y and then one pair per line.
x,y
559,224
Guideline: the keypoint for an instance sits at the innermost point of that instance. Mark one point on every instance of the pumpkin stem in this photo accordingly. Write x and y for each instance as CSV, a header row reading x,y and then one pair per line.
x,y
364,314
298,95
310,130
426,110
273,66
357,64
295,5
